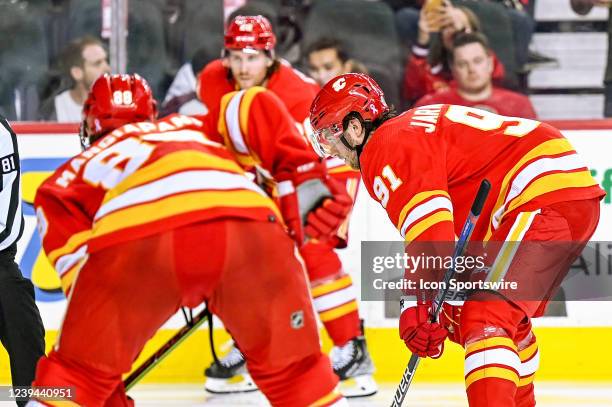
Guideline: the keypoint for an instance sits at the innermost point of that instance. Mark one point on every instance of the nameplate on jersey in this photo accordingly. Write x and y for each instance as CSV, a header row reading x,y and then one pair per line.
x,y
8,163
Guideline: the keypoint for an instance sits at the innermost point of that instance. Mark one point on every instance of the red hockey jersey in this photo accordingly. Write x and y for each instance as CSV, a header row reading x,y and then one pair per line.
x,y
425,166
139,180
254,125
296,90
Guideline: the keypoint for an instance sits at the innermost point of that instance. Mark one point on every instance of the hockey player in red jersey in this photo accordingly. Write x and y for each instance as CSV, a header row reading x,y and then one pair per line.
x,y
424,167
248,60
153,215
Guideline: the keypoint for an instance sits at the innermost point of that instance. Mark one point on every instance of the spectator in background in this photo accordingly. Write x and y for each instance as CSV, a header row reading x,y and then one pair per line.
x,y
326,58
181,96
427,70
471,62
82,62
583,7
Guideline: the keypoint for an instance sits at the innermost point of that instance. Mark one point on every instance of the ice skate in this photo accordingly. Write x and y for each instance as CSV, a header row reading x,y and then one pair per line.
x,y
229,375
353,365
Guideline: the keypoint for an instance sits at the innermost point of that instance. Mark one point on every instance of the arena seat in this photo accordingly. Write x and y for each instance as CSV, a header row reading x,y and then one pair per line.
x,y
204,29
146,48
23,56
368,30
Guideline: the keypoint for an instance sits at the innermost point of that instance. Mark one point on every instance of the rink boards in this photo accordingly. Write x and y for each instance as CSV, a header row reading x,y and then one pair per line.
x,y
44,147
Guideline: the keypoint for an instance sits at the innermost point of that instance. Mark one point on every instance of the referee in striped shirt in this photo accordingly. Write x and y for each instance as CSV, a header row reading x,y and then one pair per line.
x,y
21,329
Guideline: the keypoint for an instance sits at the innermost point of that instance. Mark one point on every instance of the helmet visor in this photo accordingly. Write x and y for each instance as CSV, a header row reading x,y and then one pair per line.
x,y
325,140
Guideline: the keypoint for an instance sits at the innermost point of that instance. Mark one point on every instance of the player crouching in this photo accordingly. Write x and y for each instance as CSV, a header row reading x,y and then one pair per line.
x,y
152,216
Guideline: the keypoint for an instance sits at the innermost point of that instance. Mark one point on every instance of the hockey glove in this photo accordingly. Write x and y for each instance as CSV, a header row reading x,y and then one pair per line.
x,y
421,336
300,192
323,222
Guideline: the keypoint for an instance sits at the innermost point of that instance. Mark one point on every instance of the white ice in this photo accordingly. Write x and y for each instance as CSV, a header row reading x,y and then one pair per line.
x,y
558,394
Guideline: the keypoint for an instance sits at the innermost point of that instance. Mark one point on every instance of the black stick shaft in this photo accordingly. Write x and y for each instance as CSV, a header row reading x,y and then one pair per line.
x,y
164,350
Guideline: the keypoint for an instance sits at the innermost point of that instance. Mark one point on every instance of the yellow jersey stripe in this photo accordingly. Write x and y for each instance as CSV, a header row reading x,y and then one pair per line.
x,y
524,381
335,285
415,200
59,403
341,169
326,399
552,182
338,312
528,351
180,204
75,241
244,158
68,277
493,371
245,107
426,223
489,343
511,245
549,147
171,163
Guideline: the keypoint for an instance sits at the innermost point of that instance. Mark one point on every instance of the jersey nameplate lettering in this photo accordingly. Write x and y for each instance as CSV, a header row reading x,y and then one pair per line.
x,y
426,117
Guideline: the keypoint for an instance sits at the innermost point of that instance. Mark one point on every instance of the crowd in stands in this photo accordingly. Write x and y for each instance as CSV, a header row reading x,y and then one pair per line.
x,y
474,52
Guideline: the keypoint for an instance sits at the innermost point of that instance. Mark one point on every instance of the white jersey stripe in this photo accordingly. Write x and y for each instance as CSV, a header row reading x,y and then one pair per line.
x,y
500,356
177,183
232,118
421,210
532,171
334,299
511,245
66,262
531,366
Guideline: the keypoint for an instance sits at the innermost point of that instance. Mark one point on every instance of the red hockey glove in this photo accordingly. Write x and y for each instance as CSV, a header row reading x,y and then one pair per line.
x,y
421,336
323,222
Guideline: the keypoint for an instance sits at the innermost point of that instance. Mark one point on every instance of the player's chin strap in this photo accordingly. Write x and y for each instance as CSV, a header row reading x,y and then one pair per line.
x,y
368,131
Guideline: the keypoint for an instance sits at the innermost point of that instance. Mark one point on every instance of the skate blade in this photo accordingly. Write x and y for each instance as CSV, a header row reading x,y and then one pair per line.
x,y
238,384
358,386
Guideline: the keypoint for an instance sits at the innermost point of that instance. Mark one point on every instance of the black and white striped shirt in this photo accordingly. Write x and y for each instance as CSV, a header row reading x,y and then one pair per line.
x,y
11,218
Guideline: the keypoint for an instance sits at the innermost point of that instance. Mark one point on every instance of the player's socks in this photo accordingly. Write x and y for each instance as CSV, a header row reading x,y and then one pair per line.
x,y
491,372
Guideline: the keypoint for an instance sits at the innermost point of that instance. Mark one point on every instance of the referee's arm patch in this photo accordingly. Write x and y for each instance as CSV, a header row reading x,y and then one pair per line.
x,y
8,164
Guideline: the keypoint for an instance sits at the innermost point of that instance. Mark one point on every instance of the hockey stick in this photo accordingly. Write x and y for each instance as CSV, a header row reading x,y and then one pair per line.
x,y
146,366
466,232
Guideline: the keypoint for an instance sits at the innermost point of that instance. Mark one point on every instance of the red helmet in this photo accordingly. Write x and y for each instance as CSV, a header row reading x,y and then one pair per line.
x,y
351,92
115,100
250,32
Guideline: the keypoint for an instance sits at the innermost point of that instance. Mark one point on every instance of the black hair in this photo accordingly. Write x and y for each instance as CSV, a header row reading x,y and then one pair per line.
x,y
369,126
328,43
